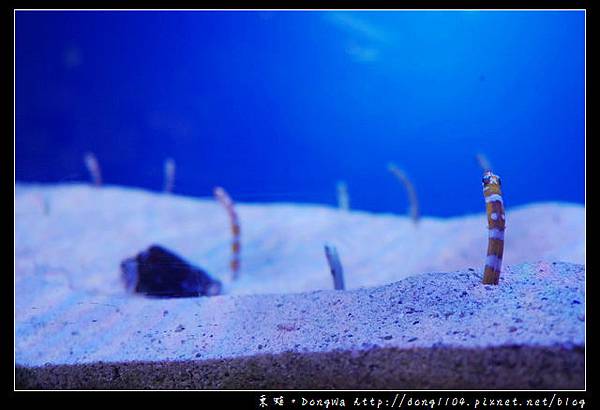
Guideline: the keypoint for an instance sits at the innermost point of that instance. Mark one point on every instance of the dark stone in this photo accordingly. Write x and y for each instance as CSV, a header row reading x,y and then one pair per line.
x,y
159,272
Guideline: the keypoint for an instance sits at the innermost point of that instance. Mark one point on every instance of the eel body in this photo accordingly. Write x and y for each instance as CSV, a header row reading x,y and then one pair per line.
x,y
225,200
496,224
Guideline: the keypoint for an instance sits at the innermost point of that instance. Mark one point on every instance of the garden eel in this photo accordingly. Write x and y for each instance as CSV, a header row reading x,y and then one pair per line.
x,y
227,203
410,189
93,167
496,224
343,197
169,175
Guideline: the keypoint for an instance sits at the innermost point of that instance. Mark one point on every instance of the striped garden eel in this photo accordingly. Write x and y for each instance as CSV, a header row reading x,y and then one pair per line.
x,y
225,200
496,224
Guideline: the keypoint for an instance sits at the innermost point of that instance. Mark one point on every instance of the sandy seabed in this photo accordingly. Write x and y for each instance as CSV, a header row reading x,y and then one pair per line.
x,y
415,314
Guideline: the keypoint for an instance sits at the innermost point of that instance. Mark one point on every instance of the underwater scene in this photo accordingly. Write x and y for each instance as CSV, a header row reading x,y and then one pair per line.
x,y
326,199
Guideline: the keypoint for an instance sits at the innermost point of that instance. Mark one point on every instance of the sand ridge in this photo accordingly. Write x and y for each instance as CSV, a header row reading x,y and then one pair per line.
x,y
88,231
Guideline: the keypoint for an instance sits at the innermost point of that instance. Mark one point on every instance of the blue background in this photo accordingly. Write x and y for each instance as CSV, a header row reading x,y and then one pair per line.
x,y
279,106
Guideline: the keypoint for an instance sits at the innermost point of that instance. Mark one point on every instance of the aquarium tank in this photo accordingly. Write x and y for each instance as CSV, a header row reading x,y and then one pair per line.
x,y
249,197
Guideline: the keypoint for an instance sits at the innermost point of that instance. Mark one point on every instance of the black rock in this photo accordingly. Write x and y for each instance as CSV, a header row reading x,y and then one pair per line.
x,y
158,272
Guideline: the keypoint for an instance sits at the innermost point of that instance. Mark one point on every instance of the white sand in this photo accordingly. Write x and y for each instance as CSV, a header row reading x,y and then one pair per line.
x,y
73,315
437,330
75,236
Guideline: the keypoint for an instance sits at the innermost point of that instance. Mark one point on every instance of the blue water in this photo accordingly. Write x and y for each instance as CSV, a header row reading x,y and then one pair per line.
x,y
279,106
